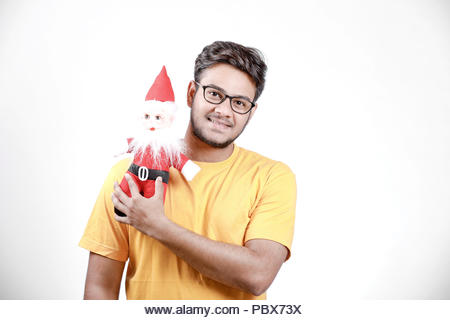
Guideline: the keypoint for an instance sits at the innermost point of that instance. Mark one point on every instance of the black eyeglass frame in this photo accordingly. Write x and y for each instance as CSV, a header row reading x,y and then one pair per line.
x,y
225,97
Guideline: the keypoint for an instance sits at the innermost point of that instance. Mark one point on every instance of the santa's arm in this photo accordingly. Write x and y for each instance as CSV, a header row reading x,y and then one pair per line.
x,y
124,148
251,267
187,167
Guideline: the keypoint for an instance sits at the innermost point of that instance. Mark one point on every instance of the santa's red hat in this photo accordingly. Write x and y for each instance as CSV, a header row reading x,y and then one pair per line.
x,y
161,89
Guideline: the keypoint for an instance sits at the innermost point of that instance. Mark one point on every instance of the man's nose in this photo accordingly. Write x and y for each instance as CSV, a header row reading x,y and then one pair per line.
x,y
224,108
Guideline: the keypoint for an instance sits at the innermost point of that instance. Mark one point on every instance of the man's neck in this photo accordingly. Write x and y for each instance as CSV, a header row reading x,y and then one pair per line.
x,y
198,150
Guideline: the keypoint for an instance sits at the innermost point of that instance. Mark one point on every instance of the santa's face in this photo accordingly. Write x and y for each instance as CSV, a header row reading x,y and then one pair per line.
x,y
217,124
154,120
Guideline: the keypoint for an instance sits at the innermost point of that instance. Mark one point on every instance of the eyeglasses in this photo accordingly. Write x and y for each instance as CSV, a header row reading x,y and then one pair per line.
x,y
239,104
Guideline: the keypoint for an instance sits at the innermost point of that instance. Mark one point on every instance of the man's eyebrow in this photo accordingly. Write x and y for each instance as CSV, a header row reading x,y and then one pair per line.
x,y
225,91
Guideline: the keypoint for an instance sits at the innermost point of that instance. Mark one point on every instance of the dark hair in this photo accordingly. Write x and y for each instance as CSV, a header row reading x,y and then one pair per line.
x,y
246,59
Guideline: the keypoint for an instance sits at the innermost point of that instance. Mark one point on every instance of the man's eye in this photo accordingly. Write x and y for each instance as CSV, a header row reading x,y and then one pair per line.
x,y
240,103
215,93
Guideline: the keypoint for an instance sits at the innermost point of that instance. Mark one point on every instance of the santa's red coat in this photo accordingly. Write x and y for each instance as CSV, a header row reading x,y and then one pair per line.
x,y
147,171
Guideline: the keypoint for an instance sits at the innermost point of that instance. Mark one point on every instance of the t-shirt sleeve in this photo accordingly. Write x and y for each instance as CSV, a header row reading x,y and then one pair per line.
x,y
103,234
274,215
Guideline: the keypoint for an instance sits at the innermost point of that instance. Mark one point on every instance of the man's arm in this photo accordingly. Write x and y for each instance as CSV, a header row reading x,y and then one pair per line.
x,y
251,268
103,278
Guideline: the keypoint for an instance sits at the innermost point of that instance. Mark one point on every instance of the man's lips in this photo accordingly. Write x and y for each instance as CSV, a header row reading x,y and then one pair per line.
x,y
221,122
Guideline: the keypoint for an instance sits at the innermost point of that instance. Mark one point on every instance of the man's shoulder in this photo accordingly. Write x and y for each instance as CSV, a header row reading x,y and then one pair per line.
x,y
249,155
262,162
119,167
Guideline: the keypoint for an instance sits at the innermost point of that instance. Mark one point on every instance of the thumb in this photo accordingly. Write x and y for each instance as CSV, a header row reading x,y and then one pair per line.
x,y
159,188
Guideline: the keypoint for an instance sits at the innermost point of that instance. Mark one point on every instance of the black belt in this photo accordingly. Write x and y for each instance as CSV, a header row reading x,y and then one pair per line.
x,y
148,174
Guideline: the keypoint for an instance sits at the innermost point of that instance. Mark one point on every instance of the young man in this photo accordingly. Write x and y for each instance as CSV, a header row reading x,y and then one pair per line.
x,y
223,235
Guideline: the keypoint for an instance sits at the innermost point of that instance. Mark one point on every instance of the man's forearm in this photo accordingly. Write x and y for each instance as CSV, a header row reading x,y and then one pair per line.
x,y
233,265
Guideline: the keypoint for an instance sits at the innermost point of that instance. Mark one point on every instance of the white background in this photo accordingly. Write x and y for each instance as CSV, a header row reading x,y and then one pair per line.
x,y
357,103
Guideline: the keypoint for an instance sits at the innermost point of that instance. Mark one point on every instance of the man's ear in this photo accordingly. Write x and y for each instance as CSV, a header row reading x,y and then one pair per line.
x,y
191,93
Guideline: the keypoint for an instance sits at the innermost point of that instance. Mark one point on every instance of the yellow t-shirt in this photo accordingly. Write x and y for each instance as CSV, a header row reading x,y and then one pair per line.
x,y
245,197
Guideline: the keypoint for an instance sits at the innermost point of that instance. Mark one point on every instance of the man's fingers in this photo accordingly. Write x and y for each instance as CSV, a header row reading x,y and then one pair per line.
x,y
119,194
118,204
132,185
122,219
159,188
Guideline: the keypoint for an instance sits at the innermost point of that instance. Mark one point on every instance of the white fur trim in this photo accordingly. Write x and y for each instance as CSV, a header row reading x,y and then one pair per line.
x,y
122,149
159,106
190,169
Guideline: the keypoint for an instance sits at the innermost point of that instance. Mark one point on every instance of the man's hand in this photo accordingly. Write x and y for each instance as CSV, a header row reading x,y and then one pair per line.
x,y
144,214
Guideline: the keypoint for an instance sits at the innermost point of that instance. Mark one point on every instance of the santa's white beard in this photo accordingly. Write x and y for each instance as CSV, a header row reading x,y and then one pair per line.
x,y
159,140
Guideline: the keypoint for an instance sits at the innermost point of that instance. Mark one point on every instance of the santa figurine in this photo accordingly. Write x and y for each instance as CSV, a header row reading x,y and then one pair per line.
x,y
155,147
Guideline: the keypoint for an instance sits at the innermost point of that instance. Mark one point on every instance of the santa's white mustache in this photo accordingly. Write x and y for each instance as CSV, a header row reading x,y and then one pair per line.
x,y
216,117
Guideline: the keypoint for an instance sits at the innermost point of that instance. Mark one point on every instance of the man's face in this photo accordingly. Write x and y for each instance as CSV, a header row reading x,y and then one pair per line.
x,y
217,124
